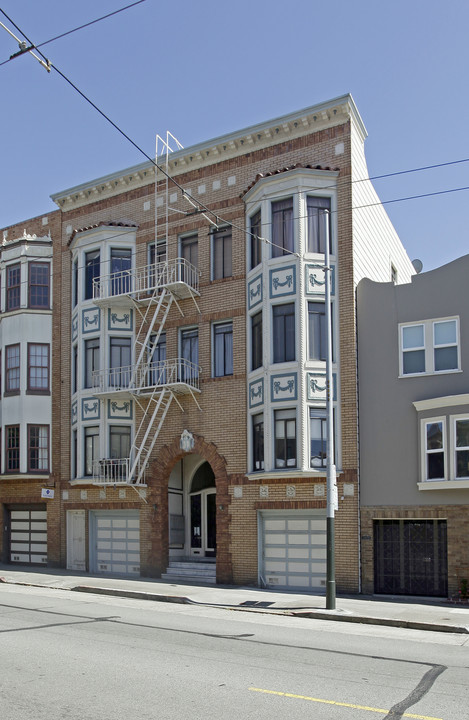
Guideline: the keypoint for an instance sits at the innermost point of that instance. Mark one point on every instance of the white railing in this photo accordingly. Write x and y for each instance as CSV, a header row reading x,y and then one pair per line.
x,y
147,376
145,280
110,471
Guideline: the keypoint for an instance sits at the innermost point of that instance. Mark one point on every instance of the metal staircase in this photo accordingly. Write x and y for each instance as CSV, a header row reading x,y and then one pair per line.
x,y
151,291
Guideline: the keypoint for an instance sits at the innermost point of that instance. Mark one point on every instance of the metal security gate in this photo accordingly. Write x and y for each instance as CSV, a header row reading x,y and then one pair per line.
x,y
292,550
115,542
411,557
28,535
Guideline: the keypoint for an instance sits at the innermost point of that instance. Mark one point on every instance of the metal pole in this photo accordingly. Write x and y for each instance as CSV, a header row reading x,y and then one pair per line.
x,y
330,466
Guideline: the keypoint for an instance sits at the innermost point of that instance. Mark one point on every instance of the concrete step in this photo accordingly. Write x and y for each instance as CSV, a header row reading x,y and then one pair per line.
x,y
187,565
197,580
196,572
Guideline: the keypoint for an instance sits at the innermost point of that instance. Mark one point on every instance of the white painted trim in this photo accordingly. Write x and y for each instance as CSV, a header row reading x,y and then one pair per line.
x,y
440,402
444,485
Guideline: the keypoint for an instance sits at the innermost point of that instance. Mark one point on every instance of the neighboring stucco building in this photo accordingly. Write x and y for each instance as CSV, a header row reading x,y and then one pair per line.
x,y
189,407
413,350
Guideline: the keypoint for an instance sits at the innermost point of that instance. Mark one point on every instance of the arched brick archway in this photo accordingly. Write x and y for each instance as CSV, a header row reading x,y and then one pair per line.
x,y
160,470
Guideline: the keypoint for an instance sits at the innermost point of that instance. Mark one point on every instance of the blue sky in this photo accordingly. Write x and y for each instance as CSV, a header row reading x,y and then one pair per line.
x,y
202,69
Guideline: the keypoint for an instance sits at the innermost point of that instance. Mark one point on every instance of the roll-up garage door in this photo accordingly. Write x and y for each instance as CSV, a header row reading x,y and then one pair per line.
x,y
115,542
293,550
28,536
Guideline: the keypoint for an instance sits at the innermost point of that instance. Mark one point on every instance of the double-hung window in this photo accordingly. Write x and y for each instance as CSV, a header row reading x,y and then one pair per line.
x,y
285,438
435,449
221,248
284,332
121,264
255,239
13,287
318,437
92,271
38,367
119,441
190,354
157,360
12,368
38,448
256,341
282,228
91,439
318,218
431,346
189,249
91,361
223,349
258,442
12,448
461,448
317,336
39,279
120,354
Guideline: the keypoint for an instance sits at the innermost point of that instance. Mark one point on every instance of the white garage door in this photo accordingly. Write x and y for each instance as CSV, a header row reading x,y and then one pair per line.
x,y
28,536
115,542
293,550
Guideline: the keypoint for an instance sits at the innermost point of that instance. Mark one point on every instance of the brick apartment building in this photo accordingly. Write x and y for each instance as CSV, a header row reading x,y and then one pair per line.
x,y
188,359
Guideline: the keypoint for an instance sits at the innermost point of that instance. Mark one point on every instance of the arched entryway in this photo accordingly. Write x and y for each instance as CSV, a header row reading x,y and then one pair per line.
x,y
203,513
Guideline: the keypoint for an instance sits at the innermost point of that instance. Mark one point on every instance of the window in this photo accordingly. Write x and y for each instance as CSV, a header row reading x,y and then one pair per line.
x,y
157,360
38,448
91,448
190,354
223,349
430,346
285,438
255,238
284,332
75,369
119,441
256,341
435,449
221,248
120,354
39,278
13,287
92,269
38,367
319,223
189,249
91,360
393,275
121,264
318,438
461,437
317,336
74,454
282,227
258,442
12,455
75,284
12,369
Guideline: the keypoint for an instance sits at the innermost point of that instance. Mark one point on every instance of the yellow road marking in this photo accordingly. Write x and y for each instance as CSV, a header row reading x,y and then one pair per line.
x,y
341,704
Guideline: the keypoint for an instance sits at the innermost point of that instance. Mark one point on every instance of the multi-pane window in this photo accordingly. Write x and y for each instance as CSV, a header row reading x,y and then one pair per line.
x,y
285,438
74,454
119,441
461,438
317,336
318,220
258,442
75,284
91,361
318,438
38,448
91,438
92,270
282,227
38,367
430,346
39,280
12,368
221,245
12,448
189,249
120,354
13,298
435,450
156,255
255,239
74,368
121,264
190,354
157,361
283,319
256,340
223,349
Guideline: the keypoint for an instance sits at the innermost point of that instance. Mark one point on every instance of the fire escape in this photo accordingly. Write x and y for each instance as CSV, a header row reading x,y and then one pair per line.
x,y
152,384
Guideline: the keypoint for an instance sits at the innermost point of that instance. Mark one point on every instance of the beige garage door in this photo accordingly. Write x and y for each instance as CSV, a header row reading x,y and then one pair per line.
x,y
115,542
293,550
28,536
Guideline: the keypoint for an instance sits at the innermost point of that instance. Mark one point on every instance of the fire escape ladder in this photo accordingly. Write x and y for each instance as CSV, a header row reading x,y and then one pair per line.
x,y
147,434
143,349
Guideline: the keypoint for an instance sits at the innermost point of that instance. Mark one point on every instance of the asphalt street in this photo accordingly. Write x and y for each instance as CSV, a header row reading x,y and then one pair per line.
x,y
71,656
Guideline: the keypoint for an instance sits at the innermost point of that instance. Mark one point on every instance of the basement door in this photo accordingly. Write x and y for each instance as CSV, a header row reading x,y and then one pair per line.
x,y
28,535
292,550
115,542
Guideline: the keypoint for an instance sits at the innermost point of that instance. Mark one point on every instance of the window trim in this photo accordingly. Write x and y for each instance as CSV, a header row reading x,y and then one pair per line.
x,y
315,413
18,448
286,344
316,196
37,471
88,266
85,456
453,448
34,390
424,452
288,414
8,389
255,242
44,306
258,445
217,326
219,240
257,348
8,288
279,249
429,346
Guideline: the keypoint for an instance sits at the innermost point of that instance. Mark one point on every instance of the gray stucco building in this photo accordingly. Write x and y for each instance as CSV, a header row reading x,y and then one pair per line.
x,y
413,360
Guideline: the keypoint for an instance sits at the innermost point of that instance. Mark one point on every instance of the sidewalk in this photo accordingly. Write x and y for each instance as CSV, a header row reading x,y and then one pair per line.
x,y
420,614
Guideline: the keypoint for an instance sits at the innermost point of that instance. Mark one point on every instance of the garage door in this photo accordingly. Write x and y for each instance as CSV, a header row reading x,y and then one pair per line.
x,y
293,551
28,536
115,542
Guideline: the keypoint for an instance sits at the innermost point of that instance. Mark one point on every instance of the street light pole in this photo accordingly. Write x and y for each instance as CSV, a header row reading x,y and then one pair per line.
x,y
330,465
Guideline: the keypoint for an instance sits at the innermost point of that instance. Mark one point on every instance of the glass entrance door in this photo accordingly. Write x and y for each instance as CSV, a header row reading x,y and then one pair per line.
x,y
203,523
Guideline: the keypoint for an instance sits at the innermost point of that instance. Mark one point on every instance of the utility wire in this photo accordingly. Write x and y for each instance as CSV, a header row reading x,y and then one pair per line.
x,y
69,32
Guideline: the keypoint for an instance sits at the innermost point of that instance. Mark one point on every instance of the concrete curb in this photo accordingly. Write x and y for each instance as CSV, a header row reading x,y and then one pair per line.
x,y
387,622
